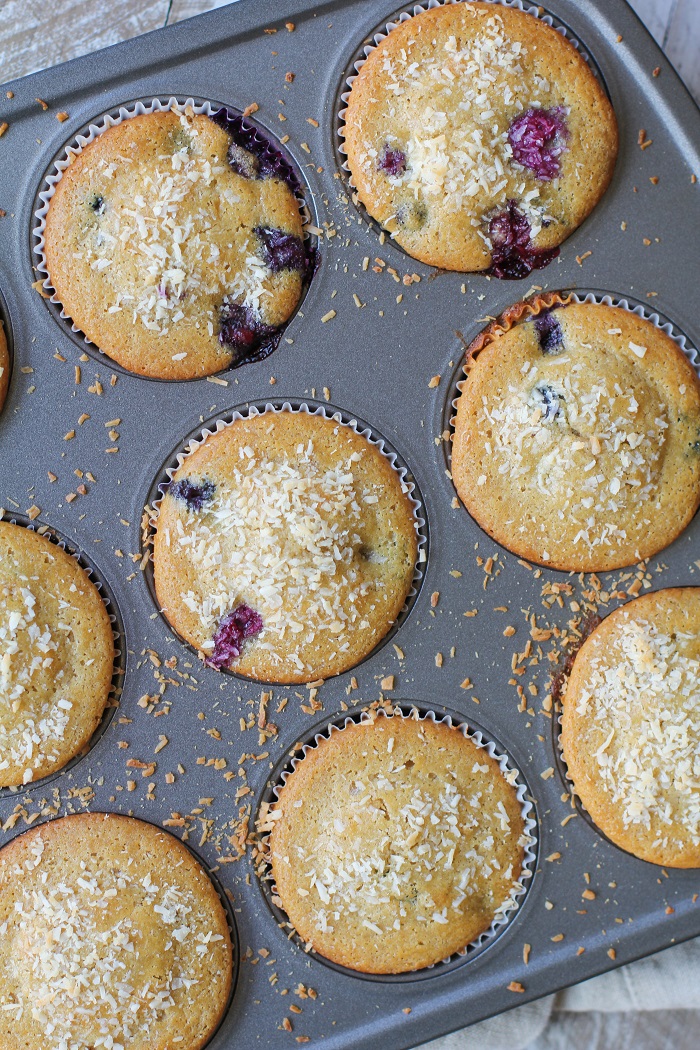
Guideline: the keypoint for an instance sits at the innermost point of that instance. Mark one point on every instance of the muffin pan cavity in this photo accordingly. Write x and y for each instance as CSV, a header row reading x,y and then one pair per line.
x,y
398,709
196,496
254,153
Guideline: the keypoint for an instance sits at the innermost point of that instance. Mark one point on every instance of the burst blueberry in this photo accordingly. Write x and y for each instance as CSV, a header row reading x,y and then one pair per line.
x,y
244,333
513,254
243,622
538,138
549,333
250,153
97,204
280,250
194,493
392,161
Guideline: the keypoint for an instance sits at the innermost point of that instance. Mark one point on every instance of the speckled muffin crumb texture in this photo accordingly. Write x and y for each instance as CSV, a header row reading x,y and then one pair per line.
x,y
153,238
395,843
631,727
112,936
296,519
56,656
577,438
468,110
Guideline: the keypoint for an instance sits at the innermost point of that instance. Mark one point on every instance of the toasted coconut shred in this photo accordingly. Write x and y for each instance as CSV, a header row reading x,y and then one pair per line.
x,y
284,536
80,969
647,707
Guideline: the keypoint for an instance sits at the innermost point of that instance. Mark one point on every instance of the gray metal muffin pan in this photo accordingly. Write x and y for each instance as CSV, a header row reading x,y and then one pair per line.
x,y
376,361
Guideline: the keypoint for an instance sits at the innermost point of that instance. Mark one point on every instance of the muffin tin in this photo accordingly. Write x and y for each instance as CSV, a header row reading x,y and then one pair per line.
x,y
376,363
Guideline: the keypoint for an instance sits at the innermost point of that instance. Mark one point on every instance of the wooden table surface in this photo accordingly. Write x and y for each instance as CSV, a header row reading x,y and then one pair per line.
x,y
36,34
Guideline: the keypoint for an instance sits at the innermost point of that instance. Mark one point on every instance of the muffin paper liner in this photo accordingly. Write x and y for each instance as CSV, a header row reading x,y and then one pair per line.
x,y
102,124
506,911
409,488
49,533
523,311
520,5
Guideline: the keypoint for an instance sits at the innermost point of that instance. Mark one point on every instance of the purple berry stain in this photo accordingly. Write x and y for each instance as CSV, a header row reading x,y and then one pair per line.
x,y
549,333
538,138
513,254
244,333
233,629
194,493
280,250
251,154
392,161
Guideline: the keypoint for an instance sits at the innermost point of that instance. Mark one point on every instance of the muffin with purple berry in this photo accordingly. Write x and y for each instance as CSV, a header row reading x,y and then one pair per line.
x,y
577,435
285,547
174,242
479,138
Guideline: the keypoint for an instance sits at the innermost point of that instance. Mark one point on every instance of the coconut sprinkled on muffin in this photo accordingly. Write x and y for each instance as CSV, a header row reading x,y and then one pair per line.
x,y
305,525
111,936
576,438
56,656
632,726
479,137
395,843
172,257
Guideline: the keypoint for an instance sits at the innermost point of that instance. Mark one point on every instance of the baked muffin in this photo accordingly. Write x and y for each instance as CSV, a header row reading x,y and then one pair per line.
x,y
631,726
112,936
285,547
396,843
4,366
56,656
478,136
174,242
577,437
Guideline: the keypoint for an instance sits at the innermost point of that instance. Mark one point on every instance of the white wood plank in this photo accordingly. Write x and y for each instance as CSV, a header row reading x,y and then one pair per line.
x,y
656,15
181,9
683,44
41,33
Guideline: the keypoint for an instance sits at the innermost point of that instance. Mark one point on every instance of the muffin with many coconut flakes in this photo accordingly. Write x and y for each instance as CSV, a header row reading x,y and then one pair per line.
x,y
285,547
56,656
577,435
479,138
174,242
631,726
112,936
396,842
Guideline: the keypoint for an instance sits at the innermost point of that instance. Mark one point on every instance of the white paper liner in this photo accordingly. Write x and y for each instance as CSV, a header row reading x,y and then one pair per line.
x,y
409,488
608,299
78,144
512,775
54,537
535,10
